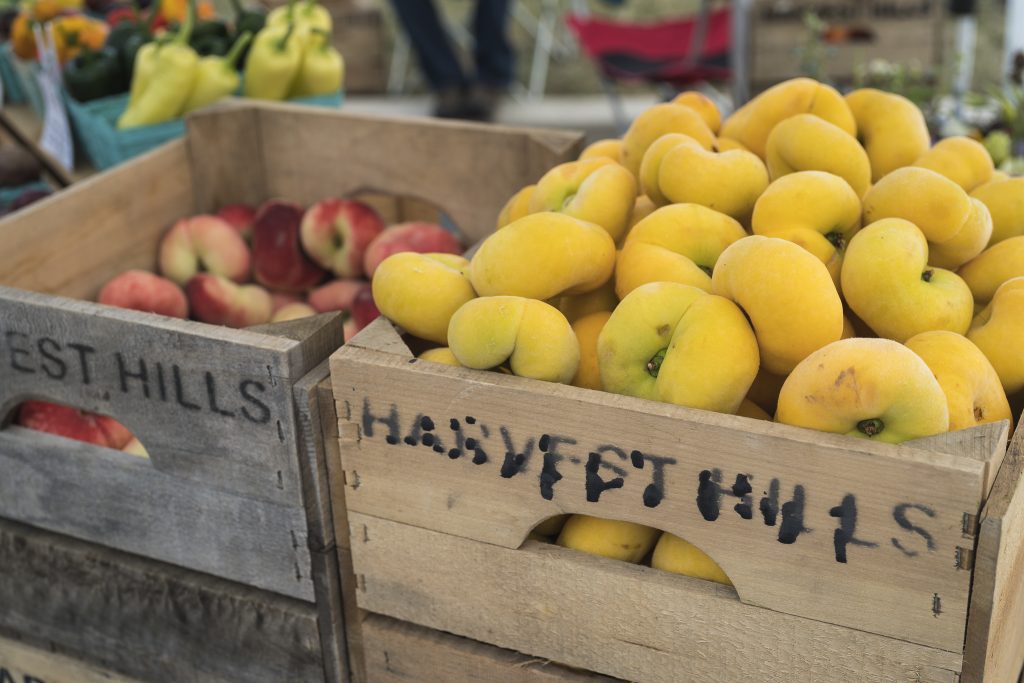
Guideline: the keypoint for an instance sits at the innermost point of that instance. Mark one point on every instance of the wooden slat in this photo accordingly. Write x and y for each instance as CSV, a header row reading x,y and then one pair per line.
x,y
619,619
909,504
215,410
330,618
20,663
400,652
149,620
350,154
994,652
226,156
986,444
73,242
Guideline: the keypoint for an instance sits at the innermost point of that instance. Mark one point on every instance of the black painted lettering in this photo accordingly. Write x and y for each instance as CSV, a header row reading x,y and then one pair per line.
x,y
32,679
479,454
84,353
595,485
742,490
6,677
793,517
179,391
845,534
899,513
211,395
516,461
413,437
655,491
769,505
262,412
161,384
549,474
125,374
390,421
18,345
710,492
53,366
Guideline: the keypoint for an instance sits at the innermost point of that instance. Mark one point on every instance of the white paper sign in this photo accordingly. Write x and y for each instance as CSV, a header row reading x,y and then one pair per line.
x,y
56,136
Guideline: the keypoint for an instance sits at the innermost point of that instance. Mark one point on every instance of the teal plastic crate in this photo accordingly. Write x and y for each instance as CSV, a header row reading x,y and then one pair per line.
x,y
13,92
25,72
95,128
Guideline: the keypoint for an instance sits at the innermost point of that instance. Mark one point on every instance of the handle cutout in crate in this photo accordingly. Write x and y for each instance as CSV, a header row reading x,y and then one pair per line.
x,y
72,423
631,543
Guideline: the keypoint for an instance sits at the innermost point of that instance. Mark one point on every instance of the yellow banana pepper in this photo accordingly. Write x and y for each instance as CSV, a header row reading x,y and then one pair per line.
x,y
170,83
142,72
273,63
307,14
322,70
217,77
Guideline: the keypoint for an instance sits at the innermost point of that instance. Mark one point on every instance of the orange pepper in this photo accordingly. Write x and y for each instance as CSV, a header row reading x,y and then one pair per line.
x,y
23,43
175,10
74,33
44,10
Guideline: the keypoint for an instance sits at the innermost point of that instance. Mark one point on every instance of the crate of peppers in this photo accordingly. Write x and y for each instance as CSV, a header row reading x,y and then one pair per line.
x,y
131,94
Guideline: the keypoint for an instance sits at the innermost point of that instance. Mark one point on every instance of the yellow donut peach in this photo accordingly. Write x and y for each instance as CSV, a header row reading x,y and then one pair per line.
x,y
891,128
516,207
532,336
611,538
992,267
703,105
677,243
974,394
657,121
597,190
753,122
421,292
1005,201
961,159
441,354
542,256
890,286
998,331
675,343
610,148
673,554
957,227
587,330
807,143
786,292
816,210
729,182
875,389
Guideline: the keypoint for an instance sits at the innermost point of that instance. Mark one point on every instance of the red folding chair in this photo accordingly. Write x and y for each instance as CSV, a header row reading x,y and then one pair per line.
x,y
672,53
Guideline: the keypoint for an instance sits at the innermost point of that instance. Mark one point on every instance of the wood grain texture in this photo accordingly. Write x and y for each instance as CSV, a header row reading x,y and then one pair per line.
x,y
214,408
149,620
621,620
910,504
330,617
400,652
97,228
985,443
401,156
20,663
225,154
994,652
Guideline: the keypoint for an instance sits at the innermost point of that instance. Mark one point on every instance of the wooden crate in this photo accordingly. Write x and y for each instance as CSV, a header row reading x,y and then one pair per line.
x,y
901,31
236,485
852,560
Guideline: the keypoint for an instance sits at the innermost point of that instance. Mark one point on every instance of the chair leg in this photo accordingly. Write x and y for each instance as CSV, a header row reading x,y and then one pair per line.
x,y
542,48
618,107
399,65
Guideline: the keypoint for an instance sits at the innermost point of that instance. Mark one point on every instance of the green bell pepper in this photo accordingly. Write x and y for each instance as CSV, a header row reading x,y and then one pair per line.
x,y
94,74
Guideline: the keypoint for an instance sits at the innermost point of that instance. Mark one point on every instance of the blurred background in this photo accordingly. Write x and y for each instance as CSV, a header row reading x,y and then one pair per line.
x,y
949,57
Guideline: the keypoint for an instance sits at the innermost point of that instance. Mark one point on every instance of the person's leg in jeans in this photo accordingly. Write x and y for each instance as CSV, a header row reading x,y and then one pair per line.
x,y
494,58
434,51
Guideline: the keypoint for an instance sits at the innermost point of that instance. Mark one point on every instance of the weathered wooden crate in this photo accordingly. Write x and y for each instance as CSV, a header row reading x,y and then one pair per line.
x,y
901,31
236,485
852,560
